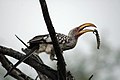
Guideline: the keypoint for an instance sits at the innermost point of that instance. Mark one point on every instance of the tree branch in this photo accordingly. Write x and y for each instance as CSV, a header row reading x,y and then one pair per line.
x,y
61,63
16,73
45,72
32,61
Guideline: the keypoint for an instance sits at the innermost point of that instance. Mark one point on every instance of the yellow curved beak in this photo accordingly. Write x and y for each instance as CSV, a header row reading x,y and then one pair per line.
x,y
82,30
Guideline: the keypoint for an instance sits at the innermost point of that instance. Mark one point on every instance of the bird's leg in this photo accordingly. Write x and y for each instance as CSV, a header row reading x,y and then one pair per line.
x,y
26,50
52,57
38,58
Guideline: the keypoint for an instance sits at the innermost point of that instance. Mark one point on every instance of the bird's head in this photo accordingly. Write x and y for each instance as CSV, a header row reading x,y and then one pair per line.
x,y
78,31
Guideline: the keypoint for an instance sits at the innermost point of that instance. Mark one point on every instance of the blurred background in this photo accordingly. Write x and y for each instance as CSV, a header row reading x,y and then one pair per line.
x,y
24,18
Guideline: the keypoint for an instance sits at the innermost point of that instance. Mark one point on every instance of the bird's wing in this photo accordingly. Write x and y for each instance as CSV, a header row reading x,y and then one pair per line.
x,y
40,39
62,39
47,39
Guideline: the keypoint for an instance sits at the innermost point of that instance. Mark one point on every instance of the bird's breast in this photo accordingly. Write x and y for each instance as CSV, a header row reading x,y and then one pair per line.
x,y
42,48
49,49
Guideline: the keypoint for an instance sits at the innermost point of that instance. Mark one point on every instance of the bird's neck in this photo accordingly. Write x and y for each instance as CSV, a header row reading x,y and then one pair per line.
x,y
73,40
73,36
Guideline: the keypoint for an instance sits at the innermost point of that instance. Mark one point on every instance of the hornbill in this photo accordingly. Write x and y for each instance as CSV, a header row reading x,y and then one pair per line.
x,y
43,43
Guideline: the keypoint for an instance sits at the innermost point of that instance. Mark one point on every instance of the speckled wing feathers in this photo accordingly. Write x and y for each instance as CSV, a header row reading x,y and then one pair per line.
x,y
39,39
46,39
62,38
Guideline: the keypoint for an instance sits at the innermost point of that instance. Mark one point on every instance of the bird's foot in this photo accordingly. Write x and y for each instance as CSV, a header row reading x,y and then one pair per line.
x,y
52,57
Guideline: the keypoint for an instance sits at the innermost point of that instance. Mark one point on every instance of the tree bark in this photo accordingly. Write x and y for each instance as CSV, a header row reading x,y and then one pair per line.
x,y
44,71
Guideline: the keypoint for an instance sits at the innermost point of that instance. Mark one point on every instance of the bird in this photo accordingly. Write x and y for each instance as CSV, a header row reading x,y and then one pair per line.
x,y
44,42
66,42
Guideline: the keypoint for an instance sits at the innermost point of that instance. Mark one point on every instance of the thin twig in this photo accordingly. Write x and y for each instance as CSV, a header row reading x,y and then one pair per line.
x,y
44,69
22,59
16,73
90,77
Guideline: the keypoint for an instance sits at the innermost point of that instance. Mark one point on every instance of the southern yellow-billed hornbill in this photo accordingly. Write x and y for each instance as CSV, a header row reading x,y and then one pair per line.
x,y
44,42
